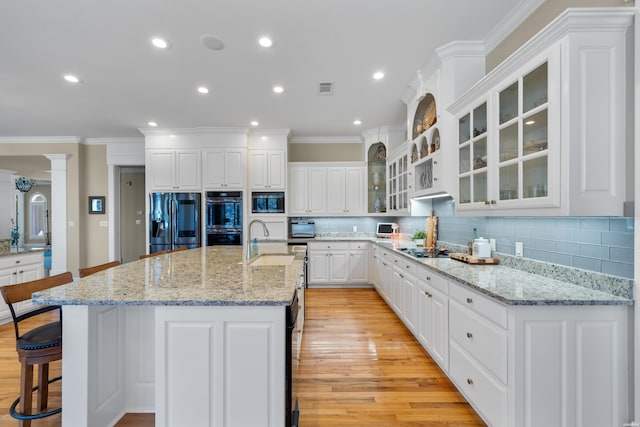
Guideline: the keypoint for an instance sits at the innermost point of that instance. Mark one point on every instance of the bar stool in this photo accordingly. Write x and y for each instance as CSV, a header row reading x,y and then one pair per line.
x,y
90,270
38,346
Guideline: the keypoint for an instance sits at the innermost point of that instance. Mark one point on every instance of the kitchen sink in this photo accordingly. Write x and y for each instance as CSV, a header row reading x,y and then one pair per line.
x,y
273,260
422,253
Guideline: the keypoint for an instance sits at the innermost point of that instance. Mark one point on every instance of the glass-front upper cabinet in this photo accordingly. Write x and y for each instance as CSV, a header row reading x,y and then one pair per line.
x,y
399,183
523,147
472,156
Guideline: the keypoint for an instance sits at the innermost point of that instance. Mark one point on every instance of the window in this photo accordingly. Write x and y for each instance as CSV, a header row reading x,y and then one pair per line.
x,y
38,217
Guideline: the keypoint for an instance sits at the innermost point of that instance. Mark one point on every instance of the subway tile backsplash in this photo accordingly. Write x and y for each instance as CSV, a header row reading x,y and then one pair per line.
x,y
603,245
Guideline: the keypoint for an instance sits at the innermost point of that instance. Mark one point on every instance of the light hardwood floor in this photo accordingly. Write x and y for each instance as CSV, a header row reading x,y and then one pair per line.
x,y
359,366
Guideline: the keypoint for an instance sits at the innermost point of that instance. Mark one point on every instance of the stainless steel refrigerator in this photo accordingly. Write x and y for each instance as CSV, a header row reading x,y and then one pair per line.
x,y
174,221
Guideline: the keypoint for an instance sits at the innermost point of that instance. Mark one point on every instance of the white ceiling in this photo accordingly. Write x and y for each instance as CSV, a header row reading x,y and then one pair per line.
x,y
127,82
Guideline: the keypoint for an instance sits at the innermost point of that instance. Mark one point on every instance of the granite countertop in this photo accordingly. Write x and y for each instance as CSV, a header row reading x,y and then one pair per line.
x,y
21,251
515,287
213,275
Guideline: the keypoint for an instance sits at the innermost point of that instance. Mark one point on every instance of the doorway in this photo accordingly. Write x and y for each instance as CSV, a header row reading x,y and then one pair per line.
x,y
132,214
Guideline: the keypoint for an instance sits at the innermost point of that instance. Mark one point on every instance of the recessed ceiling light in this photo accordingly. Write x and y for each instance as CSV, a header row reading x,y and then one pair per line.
x,y
211,42
530,122
278,89
71,78
357,122
172,136
203,90
152,124
265,41
160,43
254,123
378,75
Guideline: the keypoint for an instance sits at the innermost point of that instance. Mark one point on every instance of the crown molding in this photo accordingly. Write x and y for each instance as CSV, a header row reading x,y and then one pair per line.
x,y
107,141
40,139
510,22
326,139
192,131
591,19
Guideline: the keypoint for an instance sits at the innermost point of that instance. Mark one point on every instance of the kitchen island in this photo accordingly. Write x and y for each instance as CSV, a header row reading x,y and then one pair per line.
x,y
198,337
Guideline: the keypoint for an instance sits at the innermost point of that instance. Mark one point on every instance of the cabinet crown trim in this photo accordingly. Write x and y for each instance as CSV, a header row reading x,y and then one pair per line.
x,y
571,20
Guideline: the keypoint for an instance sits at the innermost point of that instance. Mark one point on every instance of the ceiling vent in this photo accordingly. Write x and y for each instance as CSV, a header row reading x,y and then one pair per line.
x,y
325,88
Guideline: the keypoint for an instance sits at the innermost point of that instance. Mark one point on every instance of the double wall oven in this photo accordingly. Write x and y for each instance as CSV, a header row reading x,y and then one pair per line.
x,y
224,218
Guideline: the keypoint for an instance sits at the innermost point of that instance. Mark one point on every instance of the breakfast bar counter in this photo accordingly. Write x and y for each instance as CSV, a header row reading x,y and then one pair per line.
x,y
197,337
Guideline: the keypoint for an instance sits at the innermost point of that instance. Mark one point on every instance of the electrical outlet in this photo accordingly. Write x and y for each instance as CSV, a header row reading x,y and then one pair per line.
x,y
492,244
355,228
519,249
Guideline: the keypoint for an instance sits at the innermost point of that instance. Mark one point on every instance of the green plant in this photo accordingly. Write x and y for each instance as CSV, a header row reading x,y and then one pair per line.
x,y
419,235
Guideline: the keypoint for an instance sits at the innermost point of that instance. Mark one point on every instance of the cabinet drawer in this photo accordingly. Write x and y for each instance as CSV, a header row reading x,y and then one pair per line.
x,y
323,246
480,338
359,246
8,261
438,282
487,395
481,304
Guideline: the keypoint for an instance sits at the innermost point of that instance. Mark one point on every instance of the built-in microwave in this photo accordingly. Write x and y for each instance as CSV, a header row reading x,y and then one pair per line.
x,y
302,228
267,202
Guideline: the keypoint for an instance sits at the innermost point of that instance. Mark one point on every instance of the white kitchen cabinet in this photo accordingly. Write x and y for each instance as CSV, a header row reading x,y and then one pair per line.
x,y
307,190
338,263
224,169
384,273
16,269
403,289
398,176
433,316
328,263
173,170
358,263
267,169
546,132
345,190
551,365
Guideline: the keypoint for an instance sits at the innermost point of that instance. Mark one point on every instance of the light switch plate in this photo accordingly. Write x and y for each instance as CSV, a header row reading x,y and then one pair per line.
x,y
492,244
519,249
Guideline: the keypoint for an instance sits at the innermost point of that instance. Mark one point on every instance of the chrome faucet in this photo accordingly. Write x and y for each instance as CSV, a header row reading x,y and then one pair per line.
x,y
265,230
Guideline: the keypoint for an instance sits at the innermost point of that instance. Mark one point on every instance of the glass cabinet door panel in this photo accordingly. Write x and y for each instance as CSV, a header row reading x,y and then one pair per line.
x,y
464,159
535,177
404,182
534,133
480,187
465,190
480,119
509,182
509,103
508,142
534,88
464,129
480,153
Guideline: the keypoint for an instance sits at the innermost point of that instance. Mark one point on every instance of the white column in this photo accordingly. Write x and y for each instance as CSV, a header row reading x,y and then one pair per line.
x,y
636,290
58,212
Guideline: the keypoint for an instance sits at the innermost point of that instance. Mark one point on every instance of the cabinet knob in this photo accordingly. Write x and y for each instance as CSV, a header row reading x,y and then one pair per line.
x,y
401,276
428,294
18,262
15,273
469,301
407,267
469,335
469,381
428,277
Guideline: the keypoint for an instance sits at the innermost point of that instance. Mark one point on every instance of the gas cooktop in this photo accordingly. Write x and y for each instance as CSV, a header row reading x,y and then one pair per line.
x,y
423,253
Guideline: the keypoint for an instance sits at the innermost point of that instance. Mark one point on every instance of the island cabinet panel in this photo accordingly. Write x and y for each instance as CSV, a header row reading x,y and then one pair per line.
x,y
220,366
94,387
